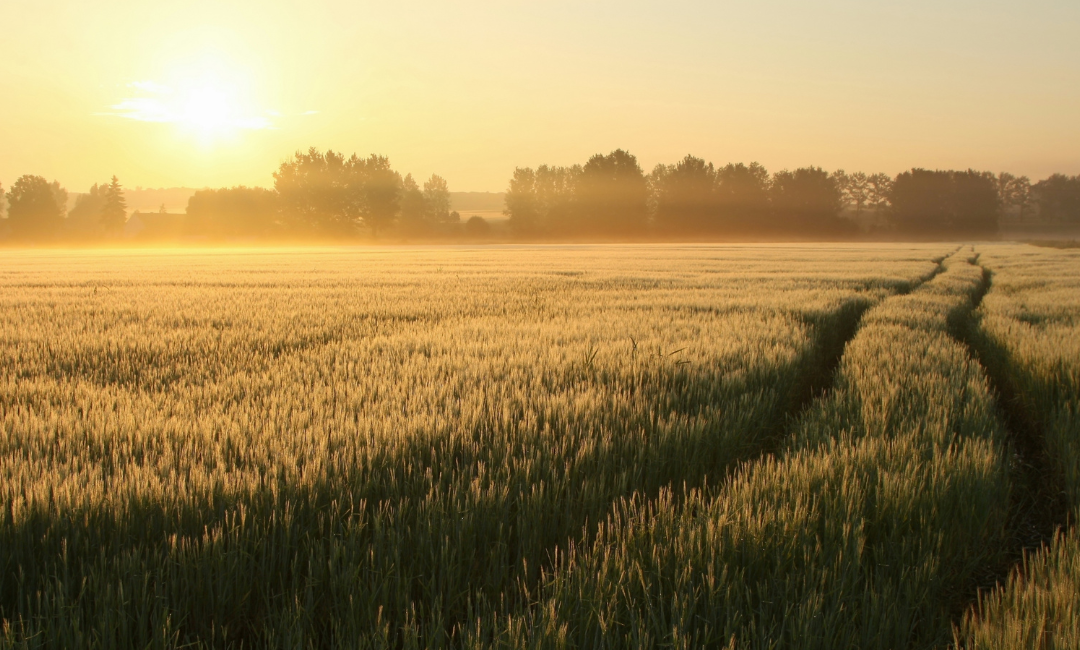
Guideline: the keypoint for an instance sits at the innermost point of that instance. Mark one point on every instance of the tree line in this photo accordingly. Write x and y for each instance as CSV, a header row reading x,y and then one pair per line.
x,y
610,195
327,196
316,195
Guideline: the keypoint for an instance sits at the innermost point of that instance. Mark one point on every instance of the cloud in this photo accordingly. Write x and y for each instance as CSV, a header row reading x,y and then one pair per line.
x,y
201,107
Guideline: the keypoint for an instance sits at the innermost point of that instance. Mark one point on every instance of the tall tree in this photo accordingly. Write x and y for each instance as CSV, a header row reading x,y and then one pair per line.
x,y
381,192
321,194
856,191
557,199
686,200
612,194
113,207
522,208
1058,198
807,201
437,200
944,203
414,217
232,213
880,188
1020,195
742,193
36,208
84,219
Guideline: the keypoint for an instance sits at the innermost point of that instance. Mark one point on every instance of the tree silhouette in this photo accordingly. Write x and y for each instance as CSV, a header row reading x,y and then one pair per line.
x,y
522,207
380,191
437,200
612,194
321,194
856,192
84,219
477,227
944,203
742,197
235,212
880,191
113,213
807,201
36,208
414,218
686,202
1058,198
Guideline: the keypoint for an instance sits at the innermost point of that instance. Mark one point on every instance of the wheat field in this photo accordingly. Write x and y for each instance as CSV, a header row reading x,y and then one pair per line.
x,y
567,447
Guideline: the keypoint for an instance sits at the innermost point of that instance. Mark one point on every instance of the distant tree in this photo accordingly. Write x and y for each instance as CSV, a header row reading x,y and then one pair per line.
x,y
437,200
84,219
36,208
113,207
1003,183
557,198
879,192
856,192
807,201
231,213
742,196
3,202
543,201
381,193
1020,195
414,212
612,194
686,200
321,194
944,203
521,201
477,227
1058,198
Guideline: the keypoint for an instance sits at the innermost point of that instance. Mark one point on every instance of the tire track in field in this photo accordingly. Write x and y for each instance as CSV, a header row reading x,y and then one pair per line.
x,y
831,348
1038,506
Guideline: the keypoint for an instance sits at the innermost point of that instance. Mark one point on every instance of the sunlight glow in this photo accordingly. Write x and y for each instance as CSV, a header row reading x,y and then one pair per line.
x,y
209,103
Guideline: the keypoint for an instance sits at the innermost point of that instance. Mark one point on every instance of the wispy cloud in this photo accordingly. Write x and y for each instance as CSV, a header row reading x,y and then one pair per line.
x,y
198,107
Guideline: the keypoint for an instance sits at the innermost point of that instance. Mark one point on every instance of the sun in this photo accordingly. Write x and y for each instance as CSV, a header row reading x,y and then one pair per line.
x,y
208,110
209,100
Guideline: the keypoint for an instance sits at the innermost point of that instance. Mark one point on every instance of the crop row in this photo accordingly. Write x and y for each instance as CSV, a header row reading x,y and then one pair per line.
x,y
311,450
866,529
1029,337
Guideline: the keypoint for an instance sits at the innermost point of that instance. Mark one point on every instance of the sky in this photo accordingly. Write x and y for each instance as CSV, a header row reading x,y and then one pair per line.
x,y
210,94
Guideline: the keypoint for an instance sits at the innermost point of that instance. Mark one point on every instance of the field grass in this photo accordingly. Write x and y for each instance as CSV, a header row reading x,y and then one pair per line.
x,y
1029,333
614,446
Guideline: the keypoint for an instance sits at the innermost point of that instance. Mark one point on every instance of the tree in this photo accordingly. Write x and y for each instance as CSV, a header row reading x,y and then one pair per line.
x,y
437,200
321,194
1020,195
807,201
113,207
945,203
477,227
1058,198
856,192
230,213
522,207
414,217
742,196
380,192
557,198
612,194
84,219
36,208
686,201
879,192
